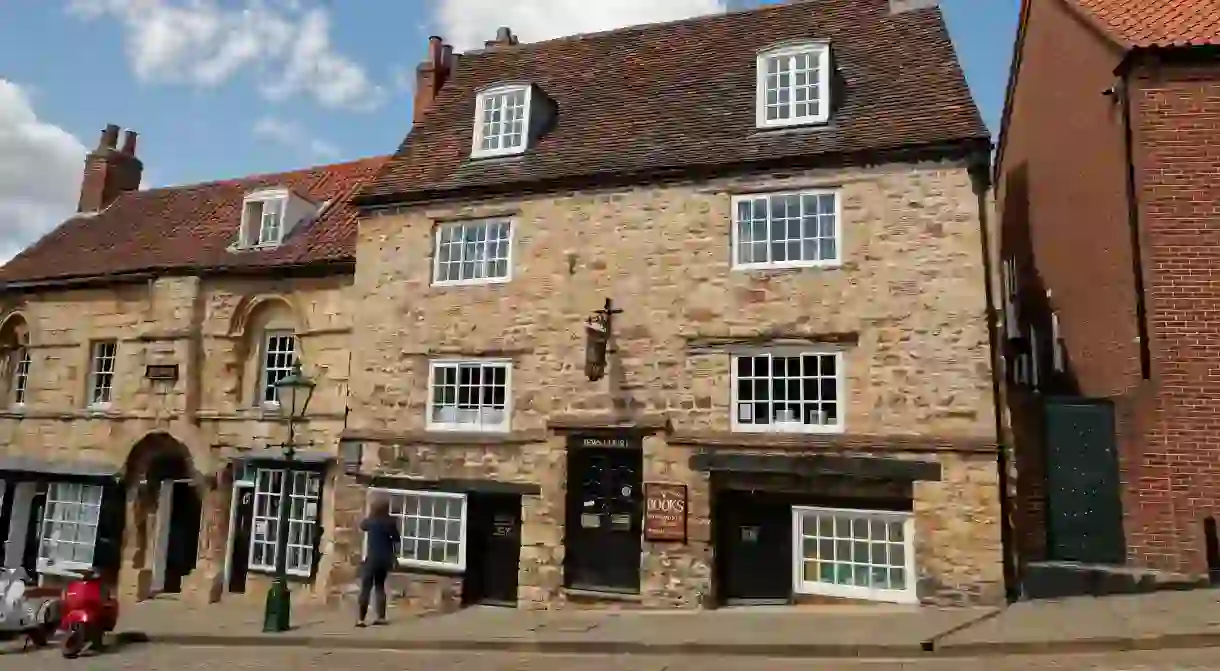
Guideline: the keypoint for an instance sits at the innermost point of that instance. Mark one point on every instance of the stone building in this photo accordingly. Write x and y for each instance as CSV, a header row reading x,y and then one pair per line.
x,y
680,315
142,340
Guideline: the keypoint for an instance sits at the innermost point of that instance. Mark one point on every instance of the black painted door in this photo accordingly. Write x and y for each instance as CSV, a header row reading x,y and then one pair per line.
x,y
243,520
33,536
1083,499
754,547
604,519
183,546
7,492
494,549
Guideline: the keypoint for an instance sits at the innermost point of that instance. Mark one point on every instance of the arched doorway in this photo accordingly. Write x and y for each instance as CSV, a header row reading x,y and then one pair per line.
x,y
167,511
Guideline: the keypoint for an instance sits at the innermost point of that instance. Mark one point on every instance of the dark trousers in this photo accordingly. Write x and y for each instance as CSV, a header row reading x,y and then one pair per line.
x,y
372,578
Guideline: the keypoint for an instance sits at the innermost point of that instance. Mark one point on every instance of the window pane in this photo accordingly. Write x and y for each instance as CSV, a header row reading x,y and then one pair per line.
x,y
473,395
473,251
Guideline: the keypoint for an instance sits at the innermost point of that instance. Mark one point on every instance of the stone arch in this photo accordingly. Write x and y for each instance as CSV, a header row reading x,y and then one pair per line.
x,y
255,316
14,343
156,459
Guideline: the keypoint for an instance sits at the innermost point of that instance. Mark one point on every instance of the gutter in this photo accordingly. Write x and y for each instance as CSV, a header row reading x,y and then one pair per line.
x,y
332,267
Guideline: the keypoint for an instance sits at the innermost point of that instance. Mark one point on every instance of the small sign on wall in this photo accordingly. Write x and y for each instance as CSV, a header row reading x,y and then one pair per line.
x,y
664,512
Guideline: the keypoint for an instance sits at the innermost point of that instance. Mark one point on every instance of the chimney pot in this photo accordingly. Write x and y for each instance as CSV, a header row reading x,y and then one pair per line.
x,y
129,143
110,137
435,47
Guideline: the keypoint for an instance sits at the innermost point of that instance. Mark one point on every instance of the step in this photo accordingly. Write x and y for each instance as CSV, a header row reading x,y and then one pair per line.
x,y
1060,579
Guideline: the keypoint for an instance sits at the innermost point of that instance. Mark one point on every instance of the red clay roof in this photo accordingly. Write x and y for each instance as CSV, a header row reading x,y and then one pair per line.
x,y
1156,23
191,228
681,95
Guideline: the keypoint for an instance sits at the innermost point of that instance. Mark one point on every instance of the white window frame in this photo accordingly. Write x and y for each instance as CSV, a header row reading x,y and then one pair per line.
x,y
790,427
21,375
81,497
411,562
481,100
500,427
820,51
264,371
98,378
252,231
909,593
485,263
735,250
301,476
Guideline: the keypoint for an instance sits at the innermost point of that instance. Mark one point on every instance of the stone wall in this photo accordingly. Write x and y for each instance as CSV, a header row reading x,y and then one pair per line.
x,y
908,299
200,325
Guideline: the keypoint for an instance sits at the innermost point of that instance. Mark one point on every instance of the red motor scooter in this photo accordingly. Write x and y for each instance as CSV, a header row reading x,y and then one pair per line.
x,y
88,610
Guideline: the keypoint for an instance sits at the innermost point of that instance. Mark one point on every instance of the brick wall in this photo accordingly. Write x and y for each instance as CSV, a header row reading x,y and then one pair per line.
x,y
1178,478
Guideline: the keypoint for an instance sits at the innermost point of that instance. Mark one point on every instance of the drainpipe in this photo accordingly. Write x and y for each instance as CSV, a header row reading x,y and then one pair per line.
x,y
980,169
1133,220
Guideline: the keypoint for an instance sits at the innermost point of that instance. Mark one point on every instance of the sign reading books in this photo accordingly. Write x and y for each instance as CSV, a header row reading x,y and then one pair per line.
x,y
664,512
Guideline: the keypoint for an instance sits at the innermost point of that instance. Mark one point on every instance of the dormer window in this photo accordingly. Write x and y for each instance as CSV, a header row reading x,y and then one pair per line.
x,y
502,121
264,220
794,85
269,215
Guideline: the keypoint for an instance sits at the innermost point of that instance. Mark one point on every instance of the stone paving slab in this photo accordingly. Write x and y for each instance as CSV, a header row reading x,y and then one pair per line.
x,y
1130,622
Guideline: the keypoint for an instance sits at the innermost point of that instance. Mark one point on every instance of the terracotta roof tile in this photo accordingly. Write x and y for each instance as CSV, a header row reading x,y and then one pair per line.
x,y
1156,23
191,228
681,95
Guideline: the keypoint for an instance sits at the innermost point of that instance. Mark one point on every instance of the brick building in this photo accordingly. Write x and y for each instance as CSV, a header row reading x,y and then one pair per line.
x,y
1107,195
142,340
683,314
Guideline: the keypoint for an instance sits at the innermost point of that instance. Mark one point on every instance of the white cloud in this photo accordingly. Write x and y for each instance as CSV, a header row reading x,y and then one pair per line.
x,y
285,44
294,135
467,24
40,172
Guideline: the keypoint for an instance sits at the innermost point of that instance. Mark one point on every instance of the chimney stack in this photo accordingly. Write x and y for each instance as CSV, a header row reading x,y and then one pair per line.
x,y
504,38
110,170
431,75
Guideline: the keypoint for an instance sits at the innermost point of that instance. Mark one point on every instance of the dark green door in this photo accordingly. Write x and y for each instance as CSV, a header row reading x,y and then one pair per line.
x,y
1084,507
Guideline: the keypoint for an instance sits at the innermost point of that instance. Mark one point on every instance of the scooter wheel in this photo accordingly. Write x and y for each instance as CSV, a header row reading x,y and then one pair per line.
x,y
38,637
74,643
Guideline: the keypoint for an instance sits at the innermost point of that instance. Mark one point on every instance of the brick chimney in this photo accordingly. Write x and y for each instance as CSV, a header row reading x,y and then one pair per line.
x,y
431,75
504,38
110,170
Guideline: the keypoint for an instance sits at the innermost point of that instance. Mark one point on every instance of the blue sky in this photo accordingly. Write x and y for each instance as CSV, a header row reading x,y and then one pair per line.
x,y
221,88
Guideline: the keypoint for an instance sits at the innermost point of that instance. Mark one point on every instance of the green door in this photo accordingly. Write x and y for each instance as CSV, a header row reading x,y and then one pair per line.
x,y
1084,507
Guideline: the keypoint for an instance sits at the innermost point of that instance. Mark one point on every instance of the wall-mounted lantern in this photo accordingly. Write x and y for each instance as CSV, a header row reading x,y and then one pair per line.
x,y
598,329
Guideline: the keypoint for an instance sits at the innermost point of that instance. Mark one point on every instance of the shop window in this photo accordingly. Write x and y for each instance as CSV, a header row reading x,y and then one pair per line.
x,y
302,520
433,527
69,527
857,554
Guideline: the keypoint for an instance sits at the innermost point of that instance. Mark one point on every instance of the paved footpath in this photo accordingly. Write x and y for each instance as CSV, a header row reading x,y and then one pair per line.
x,y
1167,620
176,658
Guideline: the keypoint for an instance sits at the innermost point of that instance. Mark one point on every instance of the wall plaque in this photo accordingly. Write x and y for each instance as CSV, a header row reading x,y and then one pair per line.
x,y
164,371
664,512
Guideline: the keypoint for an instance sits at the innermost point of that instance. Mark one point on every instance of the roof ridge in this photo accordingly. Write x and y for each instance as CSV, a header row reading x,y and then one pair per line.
x,y
777,6
323,167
